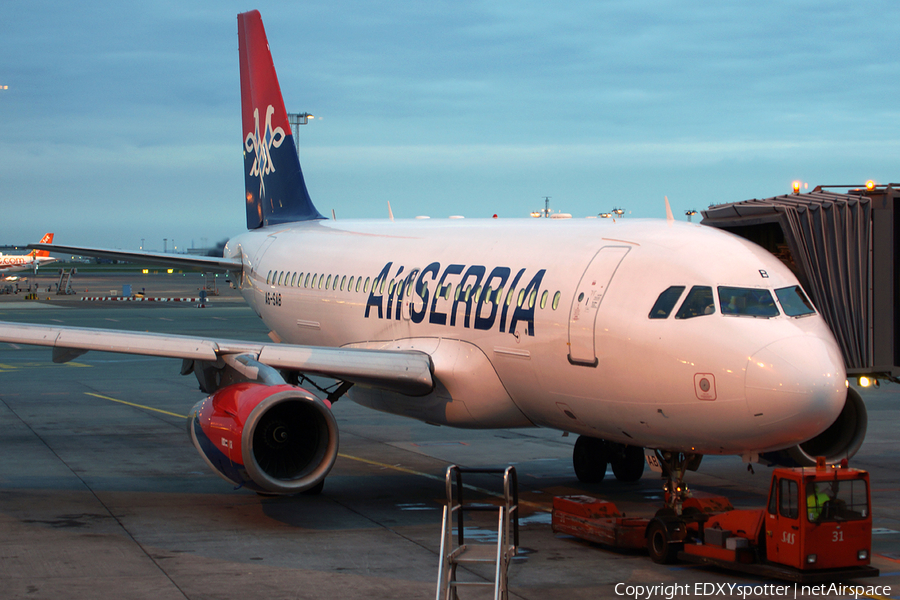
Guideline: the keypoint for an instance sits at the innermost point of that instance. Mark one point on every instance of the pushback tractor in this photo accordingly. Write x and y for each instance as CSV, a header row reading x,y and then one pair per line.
x,y
815,527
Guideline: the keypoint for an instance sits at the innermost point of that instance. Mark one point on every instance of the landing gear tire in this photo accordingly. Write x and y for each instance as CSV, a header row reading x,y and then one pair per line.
x,y
628,463
661,548
589,459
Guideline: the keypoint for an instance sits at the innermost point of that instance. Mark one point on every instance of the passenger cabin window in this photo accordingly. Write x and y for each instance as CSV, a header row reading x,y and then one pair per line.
x,y
794,302
666,302
699,302
747,302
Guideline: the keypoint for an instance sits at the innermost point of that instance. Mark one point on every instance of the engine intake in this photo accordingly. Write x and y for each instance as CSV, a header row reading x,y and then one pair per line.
x,y
277,439
841,440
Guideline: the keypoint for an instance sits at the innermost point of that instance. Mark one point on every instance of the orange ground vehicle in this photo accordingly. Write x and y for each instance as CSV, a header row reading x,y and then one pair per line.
x,y
816,526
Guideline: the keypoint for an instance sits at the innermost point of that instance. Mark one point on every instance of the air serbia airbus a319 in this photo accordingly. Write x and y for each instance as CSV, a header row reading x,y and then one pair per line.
x,y
635,334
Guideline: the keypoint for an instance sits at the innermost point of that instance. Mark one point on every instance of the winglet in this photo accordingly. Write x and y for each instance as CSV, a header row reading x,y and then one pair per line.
x,y
275,189
669,217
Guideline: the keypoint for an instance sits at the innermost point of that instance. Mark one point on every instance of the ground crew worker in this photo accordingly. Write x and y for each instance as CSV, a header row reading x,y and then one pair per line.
x,y
815,501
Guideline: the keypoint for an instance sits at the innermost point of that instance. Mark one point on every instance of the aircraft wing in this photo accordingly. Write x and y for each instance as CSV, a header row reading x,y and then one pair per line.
x,y
207,263
406,372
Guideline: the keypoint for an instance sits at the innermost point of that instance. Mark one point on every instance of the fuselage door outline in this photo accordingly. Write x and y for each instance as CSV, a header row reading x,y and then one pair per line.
x,y
589,294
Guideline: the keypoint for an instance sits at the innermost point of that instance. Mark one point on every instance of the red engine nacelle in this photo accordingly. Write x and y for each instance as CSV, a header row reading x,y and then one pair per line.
x,y
277,439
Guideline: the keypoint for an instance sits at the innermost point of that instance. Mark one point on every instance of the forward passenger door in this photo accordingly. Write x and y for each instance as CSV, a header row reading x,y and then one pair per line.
x,y
589,294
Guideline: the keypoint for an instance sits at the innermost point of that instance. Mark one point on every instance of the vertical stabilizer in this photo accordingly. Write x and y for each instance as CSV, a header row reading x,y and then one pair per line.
x,y
274,185
47,239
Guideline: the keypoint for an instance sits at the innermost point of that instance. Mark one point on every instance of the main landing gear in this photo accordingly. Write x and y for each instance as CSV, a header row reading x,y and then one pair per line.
x,y
592,455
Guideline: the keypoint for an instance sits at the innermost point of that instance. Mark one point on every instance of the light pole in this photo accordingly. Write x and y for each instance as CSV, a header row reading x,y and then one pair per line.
x,y
296,120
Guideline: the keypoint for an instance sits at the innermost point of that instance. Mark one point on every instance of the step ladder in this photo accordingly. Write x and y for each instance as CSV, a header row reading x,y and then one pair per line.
x,y
461,553
64,287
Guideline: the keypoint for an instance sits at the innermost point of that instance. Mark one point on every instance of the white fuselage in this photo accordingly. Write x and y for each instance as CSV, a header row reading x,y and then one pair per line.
x,y
15,263
572,347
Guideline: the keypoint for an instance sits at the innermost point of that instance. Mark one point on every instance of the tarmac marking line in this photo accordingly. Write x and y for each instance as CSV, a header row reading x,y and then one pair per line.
x,y
534,505
342,455
165,412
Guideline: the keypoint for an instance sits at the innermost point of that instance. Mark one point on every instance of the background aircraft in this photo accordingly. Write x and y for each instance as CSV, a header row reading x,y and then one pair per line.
x,y
11,263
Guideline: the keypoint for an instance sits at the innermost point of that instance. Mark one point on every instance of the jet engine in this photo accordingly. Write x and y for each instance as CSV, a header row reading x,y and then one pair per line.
x,y
841,440
276,439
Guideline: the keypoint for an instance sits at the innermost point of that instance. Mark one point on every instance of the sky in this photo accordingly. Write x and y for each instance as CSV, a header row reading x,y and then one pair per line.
x,y
120,121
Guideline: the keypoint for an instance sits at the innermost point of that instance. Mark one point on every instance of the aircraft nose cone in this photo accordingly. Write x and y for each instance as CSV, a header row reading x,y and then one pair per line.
x,y
796,384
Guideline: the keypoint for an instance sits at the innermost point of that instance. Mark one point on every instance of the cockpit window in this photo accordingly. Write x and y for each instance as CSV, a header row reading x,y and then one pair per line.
x,y
794,301
666,302
747,302
699,302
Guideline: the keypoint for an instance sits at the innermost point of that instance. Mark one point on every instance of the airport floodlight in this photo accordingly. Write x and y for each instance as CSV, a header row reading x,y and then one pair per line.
x,y
618,211
605,215
299,118
690,213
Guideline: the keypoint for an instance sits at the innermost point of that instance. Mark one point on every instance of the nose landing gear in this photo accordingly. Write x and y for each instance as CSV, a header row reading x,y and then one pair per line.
x,y
674,465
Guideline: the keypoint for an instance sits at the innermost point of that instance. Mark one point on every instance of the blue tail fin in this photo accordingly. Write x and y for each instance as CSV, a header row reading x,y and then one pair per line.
x,y
275,189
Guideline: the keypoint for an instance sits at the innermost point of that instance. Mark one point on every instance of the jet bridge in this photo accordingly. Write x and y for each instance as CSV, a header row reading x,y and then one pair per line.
x,y
842,247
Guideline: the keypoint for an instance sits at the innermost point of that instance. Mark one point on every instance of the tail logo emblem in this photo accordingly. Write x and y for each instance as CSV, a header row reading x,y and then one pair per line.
x,y
262,147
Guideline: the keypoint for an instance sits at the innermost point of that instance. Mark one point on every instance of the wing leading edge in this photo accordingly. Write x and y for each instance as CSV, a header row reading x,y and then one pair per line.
x,y
403,371
208,263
